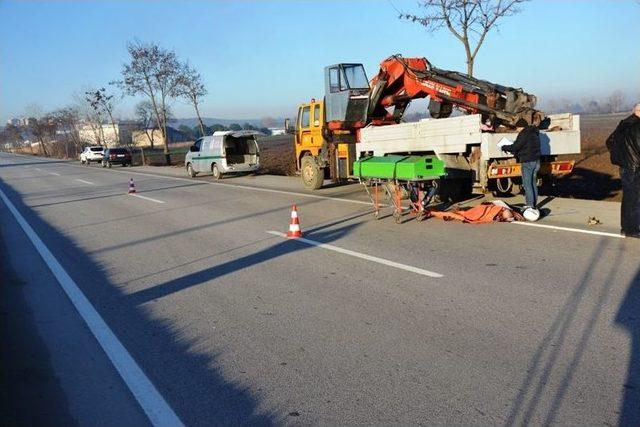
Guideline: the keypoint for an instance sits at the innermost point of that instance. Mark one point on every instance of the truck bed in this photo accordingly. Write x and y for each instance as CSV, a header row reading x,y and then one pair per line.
x,y
456,135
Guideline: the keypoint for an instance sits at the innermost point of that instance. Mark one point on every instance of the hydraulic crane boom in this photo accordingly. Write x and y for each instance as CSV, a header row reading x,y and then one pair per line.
x,y
351,104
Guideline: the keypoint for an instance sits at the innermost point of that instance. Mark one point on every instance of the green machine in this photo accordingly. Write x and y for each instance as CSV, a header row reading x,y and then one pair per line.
x,y
405,168
412,178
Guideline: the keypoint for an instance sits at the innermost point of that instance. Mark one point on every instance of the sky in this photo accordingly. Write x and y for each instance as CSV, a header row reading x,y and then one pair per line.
x,y
264,58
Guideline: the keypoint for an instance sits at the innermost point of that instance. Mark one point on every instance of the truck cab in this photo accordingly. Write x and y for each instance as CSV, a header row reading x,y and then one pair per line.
x,y
318,155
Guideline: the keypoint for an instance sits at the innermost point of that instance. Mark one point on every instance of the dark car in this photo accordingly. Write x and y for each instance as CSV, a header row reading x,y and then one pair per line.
x,y
116,156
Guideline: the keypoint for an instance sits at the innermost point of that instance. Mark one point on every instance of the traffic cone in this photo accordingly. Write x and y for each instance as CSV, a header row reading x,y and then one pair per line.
x,y
132,187
294,225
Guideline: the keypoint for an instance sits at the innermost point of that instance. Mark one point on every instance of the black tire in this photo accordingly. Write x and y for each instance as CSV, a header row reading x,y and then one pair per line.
x,y
506,187
217,175
190,171
312,176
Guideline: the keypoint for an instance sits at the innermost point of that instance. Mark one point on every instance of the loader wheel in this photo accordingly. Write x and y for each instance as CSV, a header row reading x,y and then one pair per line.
x,y
312,175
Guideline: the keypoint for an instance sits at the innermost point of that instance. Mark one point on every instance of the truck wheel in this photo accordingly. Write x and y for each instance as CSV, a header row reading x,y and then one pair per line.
x,y
190,171
216,172
312,176
505,187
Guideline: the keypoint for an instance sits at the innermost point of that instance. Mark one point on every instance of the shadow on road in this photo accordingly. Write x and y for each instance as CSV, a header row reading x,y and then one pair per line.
x,y
190,381
628,317
585,184
540,395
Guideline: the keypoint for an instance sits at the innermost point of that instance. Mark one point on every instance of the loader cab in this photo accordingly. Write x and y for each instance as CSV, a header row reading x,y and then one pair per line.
x,y
317,158
346,96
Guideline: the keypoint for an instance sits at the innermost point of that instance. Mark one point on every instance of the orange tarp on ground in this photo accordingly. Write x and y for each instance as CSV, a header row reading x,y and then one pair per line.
x,y
476,215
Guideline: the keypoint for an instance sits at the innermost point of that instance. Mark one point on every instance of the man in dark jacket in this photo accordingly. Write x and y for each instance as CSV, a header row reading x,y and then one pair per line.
x,y
526,148
624,149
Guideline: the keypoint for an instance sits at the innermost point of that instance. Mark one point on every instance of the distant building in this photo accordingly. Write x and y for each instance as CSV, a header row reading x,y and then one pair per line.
x,y
106,135
14,122
142,137
277,131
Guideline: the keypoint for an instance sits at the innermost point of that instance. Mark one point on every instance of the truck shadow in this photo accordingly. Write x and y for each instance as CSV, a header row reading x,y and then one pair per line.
x,y
190,380
207,276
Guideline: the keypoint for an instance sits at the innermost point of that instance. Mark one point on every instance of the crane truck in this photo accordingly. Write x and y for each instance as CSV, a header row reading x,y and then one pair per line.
x,y
358,118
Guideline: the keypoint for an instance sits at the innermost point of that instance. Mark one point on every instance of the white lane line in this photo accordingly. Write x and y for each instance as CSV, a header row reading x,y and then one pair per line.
x,y
86,182
149,398
575,230
244,187
38,169
146,198
362,256
53,173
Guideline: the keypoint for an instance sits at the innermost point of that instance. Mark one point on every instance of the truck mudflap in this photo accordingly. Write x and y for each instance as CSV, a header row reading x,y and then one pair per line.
x,y
556,168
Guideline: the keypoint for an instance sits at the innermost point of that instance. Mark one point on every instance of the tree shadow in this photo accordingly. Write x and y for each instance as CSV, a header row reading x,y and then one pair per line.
x,y
628,317
188,379
585,184
535,390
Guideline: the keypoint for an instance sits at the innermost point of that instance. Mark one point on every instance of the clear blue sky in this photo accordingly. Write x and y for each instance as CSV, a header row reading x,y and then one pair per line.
x,y
264,58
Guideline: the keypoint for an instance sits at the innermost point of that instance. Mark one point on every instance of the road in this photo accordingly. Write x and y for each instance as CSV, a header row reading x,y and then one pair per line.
x,y
214,319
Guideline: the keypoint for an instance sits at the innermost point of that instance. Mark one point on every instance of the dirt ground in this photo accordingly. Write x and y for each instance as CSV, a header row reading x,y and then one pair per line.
x,y
594,176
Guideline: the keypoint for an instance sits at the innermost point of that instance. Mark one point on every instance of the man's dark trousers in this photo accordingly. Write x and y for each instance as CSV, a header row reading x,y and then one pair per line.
x,y
530,181
630,211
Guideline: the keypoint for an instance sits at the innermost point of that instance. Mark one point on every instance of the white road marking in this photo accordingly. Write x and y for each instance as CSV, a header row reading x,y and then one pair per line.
x,y
316,196
149,398
38,169
574,230
146,198
86,182
362,256
53,173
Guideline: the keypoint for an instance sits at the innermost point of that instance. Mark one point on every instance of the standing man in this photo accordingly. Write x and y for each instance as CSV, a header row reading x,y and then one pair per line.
x,y
526,148
624,147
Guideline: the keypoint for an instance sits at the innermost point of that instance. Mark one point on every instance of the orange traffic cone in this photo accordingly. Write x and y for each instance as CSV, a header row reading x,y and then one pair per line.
x,y
294,225
132,187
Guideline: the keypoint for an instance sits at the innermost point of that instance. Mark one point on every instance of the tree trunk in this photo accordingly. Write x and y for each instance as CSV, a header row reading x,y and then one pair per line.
x,y
195,104
113,125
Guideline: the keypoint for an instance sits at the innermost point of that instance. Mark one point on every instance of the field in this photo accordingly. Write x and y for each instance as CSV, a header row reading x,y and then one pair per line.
x,y
594,176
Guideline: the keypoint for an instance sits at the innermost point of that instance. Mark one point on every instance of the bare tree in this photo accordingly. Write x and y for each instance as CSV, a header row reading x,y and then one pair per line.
x,y
152,72
11,136
468,20
615,101
191,88
68,120
102,103
144,116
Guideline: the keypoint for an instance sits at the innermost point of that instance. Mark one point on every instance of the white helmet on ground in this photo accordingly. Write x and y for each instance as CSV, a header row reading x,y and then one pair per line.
x,y
531,214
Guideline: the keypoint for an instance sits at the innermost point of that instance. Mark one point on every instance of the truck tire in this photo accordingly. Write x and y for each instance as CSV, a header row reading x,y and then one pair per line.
x,y
312,176
506,187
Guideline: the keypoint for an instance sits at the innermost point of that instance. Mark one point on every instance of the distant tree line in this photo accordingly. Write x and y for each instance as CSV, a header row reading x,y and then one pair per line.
x,y
151,73
616,102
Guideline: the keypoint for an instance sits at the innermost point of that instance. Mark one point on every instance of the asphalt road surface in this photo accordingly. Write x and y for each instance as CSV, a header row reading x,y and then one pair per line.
x,y
183,304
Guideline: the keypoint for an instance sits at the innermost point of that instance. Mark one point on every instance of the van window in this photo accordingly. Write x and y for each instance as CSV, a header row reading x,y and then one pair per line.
x,y
198,143
305,118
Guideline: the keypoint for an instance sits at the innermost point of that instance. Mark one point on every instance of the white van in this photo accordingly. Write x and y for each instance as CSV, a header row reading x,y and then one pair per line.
x,y
224,152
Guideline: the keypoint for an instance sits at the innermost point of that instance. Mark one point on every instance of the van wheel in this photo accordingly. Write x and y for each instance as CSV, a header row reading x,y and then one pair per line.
x,y
190,171
216,172
312,176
